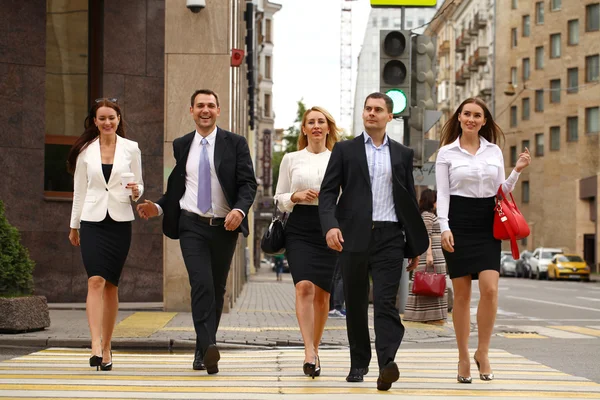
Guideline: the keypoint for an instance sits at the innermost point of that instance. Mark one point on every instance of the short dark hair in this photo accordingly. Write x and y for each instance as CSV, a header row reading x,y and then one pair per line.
x,y
389,103
203,91
427,200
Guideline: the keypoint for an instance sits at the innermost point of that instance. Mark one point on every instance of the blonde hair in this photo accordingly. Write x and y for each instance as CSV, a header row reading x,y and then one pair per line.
x,y
334,132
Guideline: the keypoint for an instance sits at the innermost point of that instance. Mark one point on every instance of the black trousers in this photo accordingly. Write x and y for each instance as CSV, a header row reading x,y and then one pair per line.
x,y
383,259
336,300
207,253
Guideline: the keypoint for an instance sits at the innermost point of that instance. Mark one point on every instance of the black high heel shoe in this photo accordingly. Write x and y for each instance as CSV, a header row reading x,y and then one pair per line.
x,y
463,379
310,368
95,361
107,366
317,368
483,377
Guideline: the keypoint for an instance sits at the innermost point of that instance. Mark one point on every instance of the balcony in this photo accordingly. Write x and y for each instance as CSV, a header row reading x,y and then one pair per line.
x,y
485,87
481,55
460,46
465,37
462,75
444,48
473,30
481,19
472,65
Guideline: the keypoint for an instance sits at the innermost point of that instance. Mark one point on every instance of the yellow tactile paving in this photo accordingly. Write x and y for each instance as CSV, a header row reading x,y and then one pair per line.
x,y
142,324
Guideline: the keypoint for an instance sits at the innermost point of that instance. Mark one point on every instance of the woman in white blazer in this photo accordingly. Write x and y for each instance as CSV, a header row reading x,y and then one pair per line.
x,y
102,160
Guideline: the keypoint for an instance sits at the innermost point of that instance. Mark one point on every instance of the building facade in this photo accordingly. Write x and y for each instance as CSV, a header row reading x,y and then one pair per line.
x,y
551,59
59,56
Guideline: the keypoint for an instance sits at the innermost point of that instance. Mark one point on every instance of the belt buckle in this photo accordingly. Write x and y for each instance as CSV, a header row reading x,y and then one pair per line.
x,y
210,222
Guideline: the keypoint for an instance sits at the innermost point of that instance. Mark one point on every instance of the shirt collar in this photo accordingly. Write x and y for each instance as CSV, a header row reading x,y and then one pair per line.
x,y
368,139
210,138
483,143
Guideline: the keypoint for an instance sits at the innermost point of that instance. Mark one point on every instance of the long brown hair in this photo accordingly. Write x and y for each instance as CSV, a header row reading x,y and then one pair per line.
x,y
91,132
490,131
334,132
427,200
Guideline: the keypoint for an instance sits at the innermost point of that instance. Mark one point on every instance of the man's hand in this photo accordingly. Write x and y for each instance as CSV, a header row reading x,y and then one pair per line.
x,y
307,195
334,239
233,220
147,209
412,263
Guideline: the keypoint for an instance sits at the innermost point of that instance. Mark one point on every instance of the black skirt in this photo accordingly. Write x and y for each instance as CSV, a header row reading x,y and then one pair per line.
x,y
309,257
475,248
104,247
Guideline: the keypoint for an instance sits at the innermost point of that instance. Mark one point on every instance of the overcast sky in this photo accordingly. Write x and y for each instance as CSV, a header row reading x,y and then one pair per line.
x,y
306,55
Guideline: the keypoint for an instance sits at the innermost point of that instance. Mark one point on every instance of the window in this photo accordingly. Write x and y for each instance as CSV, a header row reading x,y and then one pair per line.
x,y
592,120
374,22
409,24
525,109
513,156
267,67
513,37
555,91
539,144
526,69
513,4
421,21
267,107
572,131
525,145
513,116
592,64
539,100
513,76
385,22
555,5
526,26
573,30
554,138
539,12
525,192
539,57
555,45
592,17
572,80
268,31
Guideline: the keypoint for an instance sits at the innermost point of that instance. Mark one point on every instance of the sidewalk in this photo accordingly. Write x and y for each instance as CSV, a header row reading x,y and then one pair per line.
x,y
264,316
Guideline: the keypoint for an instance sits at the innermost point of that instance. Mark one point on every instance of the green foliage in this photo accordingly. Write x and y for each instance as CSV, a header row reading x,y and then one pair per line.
x,y
16,268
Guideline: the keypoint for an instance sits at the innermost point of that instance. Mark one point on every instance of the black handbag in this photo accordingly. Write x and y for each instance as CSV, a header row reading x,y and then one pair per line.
x,y
273,240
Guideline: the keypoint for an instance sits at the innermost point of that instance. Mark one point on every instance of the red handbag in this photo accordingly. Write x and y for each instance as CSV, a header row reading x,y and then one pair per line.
x,y
429,283
509,223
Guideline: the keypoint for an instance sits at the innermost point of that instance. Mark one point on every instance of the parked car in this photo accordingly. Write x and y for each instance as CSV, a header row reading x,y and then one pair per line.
x,y
539,261
522,268
508,266
568,266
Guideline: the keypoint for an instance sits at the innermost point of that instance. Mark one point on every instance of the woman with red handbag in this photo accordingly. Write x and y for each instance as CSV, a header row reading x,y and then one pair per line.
x,y
429,308
469,171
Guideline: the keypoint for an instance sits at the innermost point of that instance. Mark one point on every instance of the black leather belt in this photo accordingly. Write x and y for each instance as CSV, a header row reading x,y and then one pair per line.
x,y
384,224
206,220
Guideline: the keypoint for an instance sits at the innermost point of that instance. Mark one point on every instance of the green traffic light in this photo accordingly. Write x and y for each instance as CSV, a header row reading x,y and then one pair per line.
x,y
399,99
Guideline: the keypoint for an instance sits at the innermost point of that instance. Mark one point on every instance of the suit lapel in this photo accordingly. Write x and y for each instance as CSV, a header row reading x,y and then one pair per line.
x,y
118,158
185,151
361,155
95,158
221,144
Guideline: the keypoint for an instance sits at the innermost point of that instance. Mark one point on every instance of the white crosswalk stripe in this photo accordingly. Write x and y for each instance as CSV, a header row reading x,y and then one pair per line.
x,y
275,374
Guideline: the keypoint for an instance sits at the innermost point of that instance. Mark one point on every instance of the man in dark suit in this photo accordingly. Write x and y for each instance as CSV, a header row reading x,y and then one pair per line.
x,y
209,194
375,225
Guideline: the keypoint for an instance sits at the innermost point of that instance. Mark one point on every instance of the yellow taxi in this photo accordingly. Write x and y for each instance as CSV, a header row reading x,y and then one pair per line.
x,y
568,266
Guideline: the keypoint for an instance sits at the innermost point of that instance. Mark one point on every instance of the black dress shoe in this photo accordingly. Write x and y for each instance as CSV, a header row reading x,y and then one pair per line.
x,y
198,364
356,374
211,359
388,375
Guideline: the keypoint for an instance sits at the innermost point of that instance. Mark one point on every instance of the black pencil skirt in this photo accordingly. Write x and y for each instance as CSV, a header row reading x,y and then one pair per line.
x,y
309,257
104,247
475,248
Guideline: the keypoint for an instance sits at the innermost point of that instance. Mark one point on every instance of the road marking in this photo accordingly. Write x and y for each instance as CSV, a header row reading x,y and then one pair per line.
x,y
588,298
579,329
554,303
548,331
142,324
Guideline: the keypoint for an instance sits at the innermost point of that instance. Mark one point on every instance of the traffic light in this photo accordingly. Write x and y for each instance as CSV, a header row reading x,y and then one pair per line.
x,y
420,122
395,69
424,72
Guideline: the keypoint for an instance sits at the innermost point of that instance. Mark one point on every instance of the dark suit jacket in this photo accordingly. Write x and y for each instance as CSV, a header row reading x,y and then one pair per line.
x,y
234,171
348,170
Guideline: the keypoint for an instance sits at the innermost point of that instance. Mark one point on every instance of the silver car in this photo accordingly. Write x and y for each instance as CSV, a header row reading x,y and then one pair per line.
x,y
508,266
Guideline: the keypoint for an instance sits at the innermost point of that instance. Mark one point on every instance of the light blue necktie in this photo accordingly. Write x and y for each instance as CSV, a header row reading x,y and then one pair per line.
x,y
204,195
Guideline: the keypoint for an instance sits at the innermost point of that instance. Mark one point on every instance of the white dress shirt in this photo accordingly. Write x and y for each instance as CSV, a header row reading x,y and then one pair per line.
x,y
380,171
189,201
300,170
459,173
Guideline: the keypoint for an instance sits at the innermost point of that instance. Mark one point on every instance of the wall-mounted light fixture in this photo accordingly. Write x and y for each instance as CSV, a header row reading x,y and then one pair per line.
x,y
195,5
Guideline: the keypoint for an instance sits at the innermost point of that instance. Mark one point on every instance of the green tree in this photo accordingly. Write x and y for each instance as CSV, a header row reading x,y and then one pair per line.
x,y
290,141
16,268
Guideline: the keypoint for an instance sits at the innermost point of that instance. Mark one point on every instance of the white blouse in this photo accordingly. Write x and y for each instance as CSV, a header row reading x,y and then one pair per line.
x,y
300,170
459,173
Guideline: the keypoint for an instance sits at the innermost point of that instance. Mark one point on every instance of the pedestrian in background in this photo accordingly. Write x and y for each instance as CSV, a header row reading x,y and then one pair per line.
x,y
101,215
421,308
311,262
469,171
278,260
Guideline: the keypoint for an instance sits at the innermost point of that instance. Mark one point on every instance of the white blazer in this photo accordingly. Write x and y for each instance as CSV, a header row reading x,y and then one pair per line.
x,y
92,196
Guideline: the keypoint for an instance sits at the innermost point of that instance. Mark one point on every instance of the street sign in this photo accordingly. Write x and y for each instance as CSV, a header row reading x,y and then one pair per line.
x,y
425,175
403,3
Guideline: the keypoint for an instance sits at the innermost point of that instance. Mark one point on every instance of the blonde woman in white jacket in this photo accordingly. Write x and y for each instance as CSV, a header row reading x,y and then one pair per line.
x,y
101,159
